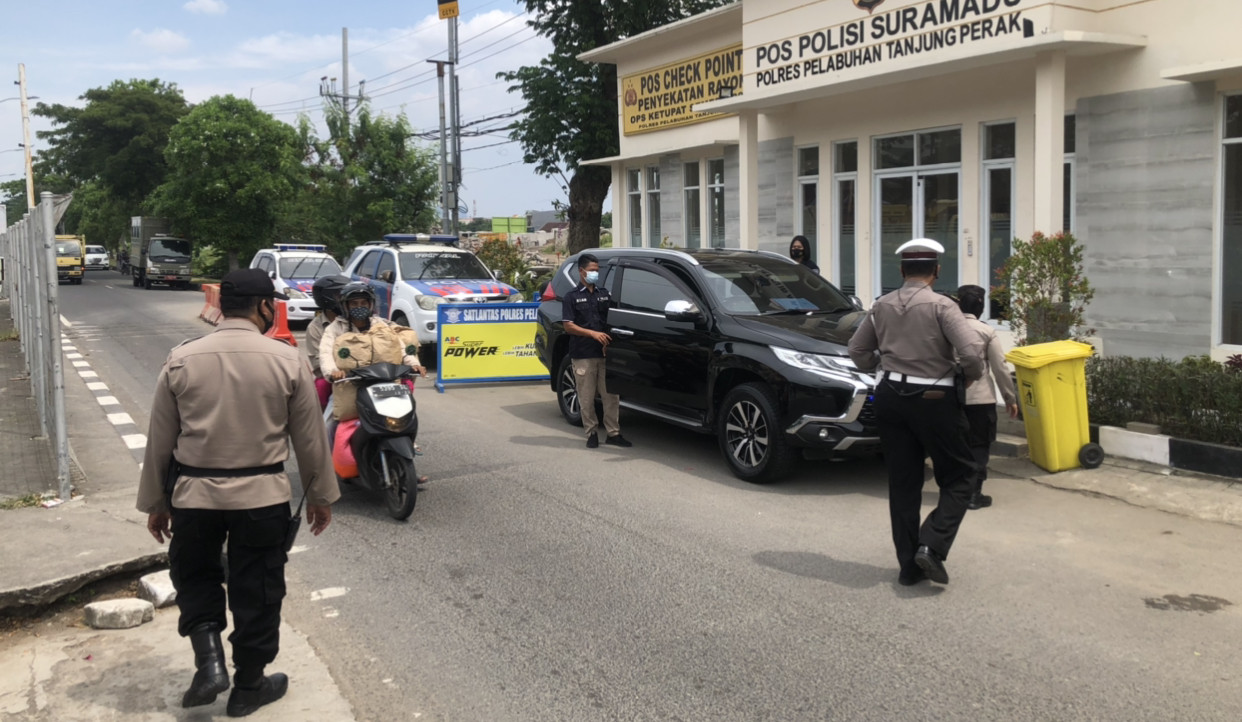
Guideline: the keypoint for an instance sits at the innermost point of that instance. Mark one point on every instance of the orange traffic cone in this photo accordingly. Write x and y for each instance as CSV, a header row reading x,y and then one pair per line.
x,y
280,329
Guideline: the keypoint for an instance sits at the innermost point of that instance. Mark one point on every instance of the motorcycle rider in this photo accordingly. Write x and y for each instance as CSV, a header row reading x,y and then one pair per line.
x,y
326,291
357,305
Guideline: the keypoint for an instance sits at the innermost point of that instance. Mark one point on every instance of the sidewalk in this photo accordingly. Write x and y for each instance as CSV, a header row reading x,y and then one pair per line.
x,y
72,672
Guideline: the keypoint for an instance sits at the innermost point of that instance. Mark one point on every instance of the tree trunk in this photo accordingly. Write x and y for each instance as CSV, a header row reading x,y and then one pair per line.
x,y
232,256
587,190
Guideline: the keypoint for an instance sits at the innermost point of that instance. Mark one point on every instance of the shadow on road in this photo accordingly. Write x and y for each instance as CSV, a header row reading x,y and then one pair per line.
x,y
854,575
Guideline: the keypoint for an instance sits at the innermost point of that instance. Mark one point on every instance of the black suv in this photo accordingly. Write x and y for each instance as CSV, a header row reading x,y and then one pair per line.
x,y
748,345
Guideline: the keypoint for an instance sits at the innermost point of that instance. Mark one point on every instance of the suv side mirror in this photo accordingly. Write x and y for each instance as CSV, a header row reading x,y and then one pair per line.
x,y
856,302
680,310
271,275
386,276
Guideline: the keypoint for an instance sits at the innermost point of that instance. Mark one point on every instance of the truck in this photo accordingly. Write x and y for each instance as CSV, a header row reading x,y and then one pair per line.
x,y
70,255
156,257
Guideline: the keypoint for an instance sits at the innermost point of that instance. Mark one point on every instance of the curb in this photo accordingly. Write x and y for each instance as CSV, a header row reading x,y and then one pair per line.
x,y
53,590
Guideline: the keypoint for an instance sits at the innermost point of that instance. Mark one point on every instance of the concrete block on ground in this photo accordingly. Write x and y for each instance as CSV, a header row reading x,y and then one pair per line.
x,y
1139,427
119,613
1010,446
158,589
1151,448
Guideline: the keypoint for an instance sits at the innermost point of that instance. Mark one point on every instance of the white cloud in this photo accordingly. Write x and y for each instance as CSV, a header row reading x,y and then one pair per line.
x,y
161,40
206,7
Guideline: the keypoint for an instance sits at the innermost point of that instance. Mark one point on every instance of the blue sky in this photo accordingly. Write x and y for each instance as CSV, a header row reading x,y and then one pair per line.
x,y
275,52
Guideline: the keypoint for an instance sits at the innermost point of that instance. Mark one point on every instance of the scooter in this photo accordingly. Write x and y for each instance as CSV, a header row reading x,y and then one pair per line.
x,y
378,446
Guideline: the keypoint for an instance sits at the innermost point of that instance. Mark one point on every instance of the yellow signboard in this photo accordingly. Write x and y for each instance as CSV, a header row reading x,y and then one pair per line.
x,y
448,9
663,97
488,342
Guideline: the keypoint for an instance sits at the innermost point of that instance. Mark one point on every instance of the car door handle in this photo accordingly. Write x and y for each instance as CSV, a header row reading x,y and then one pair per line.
x,y
622,332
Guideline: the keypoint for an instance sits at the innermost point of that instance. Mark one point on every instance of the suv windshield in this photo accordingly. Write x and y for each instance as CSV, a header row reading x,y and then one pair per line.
x,y
308,267
432,266
759,286
66,249
170,250
95,249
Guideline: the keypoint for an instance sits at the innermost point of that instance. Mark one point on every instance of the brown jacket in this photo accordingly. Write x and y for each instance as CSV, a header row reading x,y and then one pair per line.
x,y
232,400
915,331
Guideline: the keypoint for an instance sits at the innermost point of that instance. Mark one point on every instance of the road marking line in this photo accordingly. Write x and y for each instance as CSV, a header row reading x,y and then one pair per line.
x,y
329,593
298,549
135,441
87,374
331,613
81,364
97,386
65,321
120,418
107,401
74,355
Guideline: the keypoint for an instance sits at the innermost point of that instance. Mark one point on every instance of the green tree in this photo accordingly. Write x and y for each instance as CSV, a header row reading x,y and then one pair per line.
x,y
556,135
116,143
367,178
231,169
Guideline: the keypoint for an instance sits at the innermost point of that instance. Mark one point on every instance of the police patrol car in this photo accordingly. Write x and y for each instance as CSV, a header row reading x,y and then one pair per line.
x,y
294,268
414,273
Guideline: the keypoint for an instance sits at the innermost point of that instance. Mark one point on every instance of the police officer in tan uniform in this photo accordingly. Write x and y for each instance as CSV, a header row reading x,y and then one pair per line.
x,y
225,408
911,334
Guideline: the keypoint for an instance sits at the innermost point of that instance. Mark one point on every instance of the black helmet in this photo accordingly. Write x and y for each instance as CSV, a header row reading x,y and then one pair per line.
x,y
354,289
327,291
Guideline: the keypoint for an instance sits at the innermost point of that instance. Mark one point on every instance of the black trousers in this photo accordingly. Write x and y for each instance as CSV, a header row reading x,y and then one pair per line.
x,y
916,422
982,421
256,558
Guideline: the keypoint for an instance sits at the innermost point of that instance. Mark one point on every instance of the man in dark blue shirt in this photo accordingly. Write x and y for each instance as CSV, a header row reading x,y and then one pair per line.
x,y
585,314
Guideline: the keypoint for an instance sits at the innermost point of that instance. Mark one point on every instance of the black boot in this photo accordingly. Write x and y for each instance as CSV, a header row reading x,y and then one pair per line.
x,y
246,700
211,678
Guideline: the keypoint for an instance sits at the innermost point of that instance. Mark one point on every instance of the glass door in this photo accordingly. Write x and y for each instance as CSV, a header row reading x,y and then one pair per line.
x,y
917,205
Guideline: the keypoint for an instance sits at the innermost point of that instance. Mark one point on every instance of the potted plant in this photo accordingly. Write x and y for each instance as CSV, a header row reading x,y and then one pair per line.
x,y
1043,289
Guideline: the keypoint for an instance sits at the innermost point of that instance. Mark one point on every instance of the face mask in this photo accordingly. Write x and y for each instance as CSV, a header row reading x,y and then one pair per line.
x,y
360,313
592,277
796,253
268,322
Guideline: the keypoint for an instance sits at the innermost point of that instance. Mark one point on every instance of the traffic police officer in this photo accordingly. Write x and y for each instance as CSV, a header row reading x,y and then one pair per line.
x,y
225,408
584,312
911,335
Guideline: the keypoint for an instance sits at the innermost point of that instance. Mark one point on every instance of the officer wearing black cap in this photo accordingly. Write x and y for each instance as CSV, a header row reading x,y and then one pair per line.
x,y
911,334
226,406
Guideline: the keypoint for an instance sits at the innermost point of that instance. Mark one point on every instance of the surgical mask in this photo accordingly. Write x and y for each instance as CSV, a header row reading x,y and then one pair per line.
x,y
360,313
592,277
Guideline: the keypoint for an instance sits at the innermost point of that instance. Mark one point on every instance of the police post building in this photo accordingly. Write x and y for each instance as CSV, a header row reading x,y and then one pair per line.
x,y
864,123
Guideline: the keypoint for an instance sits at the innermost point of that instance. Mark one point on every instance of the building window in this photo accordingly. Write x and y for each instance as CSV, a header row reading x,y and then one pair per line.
x,y
716,203
654,238
634,196
1231,224
1071,147
808,196
917,189
845,187
693,211
999,151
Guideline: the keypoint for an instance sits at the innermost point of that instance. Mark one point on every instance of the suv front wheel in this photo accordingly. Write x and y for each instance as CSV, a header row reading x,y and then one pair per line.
x,y
567,392
750,439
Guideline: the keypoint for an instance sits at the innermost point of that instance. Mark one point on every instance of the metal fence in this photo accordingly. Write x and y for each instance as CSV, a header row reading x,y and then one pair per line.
x,y
28,250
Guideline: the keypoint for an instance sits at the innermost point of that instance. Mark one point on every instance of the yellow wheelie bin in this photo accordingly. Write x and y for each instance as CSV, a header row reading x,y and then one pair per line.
x,y
1052,392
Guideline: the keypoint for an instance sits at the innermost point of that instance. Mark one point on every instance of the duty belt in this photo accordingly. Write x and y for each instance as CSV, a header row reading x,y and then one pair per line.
x,y
201,472
919,380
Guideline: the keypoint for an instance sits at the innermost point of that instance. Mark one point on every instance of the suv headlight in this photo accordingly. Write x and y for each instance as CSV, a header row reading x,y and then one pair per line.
x,y
428,303
838,367
515,297
292,292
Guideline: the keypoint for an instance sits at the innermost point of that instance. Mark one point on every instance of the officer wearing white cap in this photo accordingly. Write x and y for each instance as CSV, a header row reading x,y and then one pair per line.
x,y
911,334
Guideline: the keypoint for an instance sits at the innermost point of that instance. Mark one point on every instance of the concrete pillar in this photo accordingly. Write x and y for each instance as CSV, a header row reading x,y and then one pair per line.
x,y
748,179
1049,141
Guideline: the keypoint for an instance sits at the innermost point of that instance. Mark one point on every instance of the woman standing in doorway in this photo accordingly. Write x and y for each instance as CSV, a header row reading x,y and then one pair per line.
x,y
800,251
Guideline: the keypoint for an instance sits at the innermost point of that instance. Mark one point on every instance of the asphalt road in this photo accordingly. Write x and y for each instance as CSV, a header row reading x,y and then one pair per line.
x,y
540,580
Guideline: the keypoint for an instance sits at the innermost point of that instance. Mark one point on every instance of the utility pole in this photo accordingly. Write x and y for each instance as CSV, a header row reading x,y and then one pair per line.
x,y
327,86
456,104
446,217
345,72
21,81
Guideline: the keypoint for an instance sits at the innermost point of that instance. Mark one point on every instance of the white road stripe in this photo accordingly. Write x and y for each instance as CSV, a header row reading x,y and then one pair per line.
x,y
120,418
135,441
107,401
298,549
97,386
81,364
66,323
87,374
73,355
329,593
